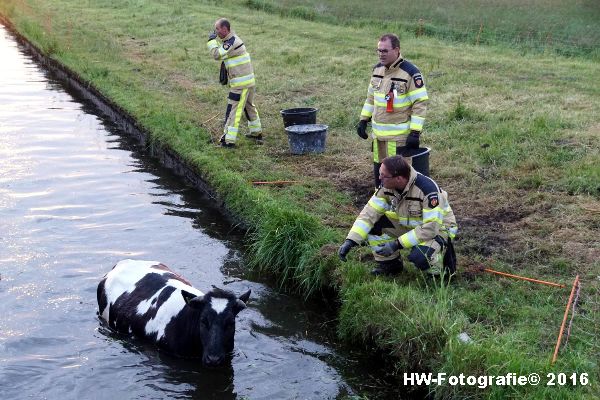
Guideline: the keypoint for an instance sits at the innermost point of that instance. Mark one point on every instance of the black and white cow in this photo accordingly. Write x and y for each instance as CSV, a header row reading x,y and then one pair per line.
x,y
148,300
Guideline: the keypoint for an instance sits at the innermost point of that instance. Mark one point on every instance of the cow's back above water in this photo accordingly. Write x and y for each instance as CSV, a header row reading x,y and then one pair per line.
x,y
148,300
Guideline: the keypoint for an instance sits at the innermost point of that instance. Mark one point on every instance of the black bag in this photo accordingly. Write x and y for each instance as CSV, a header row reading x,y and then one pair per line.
x,y
450,257
223,74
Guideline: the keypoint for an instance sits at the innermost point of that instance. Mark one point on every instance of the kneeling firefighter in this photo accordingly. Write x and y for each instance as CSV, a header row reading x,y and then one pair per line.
x,y
409,211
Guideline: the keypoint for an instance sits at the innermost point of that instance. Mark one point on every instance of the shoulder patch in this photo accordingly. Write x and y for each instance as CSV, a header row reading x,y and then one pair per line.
x,y
228,43
418,79
427,185
409,68
433,200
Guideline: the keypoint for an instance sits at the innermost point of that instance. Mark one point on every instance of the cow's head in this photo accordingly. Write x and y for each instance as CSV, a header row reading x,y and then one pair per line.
x,y
216,312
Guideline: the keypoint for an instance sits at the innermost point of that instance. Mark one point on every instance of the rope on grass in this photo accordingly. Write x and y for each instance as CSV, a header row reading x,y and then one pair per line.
x,y
562,326
524,278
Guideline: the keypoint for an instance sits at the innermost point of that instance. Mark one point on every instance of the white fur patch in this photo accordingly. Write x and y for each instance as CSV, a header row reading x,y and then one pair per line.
x,y
218,305
123,278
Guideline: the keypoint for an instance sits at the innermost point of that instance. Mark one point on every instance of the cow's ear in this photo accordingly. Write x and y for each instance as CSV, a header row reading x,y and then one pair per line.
x,y
191,299
245,296
240,304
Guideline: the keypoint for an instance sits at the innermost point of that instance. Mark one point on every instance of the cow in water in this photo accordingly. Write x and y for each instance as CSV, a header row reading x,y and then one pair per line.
x,y
148,300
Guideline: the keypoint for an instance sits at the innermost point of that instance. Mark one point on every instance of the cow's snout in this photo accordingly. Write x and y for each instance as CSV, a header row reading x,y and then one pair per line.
x,y
212,360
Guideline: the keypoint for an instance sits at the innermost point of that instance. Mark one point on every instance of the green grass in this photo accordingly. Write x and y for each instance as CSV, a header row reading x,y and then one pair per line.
x,y
566,28
514,139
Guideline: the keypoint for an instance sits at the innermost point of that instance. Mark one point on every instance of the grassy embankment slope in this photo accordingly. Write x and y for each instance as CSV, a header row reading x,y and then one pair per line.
x,y
515,141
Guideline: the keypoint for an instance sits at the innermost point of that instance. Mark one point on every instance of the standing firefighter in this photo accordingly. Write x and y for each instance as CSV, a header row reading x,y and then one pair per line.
x,y
396,103
409,211
237,72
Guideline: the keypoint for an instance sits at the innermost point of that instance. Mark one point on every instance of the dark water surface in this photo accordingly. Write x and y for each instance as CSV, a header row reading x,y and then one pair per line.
x,y
76,197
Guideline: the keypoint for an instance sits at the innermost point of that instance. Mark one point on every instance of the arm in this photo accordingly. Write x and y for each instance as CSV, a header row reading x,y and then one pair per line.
x,y
417,93
370,214
367,110
219,51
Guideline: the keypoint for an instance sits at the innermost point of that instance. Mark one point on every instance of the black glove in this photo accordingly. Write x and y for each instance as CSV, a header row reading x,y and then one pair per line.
x,y
389,248
212,35
412,141
361,129
345,248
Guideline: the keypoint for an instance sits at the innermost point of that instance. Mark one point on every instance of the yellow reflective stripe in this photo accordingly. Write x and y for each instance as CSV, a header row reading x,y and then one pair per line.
x,y
239,60
433,215
255,126
391,149
367,110
452,231
418,95
239,108
399,101
416,123
379,204
392,215
375,240
242,80
409,239
232,134
381,130
411,223
212,44
361,227
375,148
222,51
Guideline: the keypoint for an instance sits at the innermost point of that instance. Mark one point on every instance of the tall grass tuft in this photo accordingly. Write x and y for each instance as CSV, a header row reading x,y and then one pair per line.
x,y
286,244
411,323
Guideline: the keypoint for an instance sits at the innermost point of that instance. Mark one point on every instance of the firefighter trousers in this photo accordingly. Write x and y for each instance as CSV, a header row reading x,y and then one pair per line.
x,y
240,102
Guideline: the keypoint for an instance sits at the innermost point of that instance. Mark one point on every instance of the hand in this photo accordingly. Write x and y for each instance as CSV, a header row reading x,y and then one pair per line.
x,y
389,248
345,248
412,141
212,35
361,129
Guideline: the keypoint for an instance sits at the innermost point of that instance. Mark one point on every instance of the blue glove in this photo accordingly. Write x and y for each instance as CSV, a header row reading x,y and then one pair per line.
x,y
212,35
387,249
345,248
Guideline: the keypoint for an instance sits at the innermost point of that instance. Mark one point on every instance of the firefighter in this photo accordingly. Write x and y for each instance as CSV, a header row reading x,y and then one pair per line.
x,y
236,71
409,211
396,104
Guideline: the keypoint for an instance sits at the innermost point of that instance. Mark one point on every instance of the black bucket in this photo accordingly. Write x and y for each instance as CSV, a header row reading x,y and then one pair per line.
x,y
299,116
307,138
419,158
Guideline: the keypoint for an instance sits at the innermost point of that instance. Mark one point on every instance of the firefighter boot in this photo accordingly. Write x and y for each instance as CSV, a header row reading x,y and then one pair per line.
x,y
388,267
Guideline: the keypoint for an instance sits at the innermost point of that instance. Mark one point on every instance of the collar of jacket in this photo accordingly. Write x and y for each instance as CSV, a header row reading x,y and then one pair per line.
x,y
395,65
229,36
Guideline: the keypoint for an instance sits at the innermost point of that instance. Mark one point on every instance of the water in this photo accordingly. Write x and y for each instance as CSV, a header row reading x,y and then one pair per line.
x,y
76,196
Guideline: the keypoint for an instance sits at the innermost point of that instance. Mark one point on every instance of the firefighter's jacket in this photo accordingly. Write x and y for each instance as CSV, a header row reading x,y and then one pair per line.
x,y
401,85
420,212
232,52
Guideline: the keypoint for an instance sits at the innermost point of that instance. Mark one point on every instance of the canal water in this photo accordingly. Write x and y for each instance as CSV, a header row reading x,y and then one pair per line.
x,y
77,196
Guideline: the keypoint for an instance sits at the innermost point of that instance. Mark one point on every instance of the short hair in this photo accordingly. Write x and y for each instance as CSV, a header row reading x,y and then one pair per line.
x,y
395,40
222,22
397,166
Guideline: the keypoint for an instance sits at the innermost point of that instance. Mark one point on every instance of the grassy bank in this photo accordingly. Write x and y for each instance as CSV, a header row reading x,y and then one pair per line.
x,y
515,141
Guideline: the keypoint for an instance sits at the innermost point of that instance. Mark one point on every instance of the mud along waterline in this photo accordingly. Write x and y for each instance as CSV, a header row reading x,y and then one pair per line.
x,y
76,196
